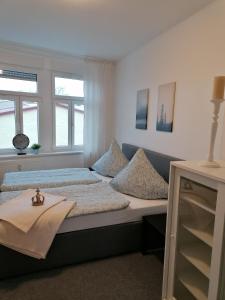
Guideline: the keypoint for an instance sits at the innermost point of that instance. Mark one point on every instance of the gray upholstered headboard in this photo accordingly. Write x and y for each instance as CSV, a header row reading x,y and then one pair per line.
x,y
160,162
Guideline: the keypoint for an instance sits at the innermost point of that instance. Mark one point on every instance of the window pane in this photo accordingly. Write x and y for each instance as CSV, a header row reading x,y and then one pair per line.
x,y
78,124
69,87
14,85
61,123
18,81
7,123
30,121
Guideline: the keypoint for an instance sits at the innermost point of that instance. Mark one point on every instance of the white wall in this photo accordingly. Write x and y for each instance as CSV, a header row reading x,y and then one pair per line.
x,y
191,54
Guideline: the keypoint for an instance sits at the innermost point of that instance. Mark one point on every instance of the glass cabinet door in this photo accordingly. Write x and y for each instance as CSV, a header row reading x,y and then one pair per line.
x,y
196,218
222,274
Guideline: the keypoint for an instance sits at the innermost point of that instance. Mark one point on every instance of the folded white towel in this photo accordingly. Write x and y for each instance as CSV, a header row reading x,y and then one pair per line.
x,y
20,213
37,241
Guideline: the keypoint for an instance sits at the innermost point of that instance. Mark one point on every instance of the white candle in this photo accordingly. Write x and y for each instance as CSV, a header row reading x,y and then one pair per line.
x,y
219,85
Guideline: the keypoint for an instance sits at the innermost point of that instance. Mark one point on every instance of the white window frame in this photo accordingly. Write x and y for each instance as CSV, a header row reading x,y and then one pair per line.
x,y
18,99
19,69
71,101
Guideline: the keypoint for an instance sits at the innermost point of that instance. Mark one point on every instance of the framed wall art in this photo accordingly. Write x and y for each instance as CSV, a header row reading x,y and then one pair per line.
x,y
142,109
165,110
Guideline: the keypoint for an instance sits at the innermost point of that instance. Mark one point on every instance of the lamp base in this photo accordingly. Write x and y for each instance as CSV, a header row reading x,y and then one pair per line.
x,y
210,164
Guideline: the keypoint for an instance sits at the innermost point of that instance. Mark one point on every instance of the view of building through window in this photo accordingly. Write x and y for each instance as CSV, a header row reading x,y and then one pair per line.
x,y
69,115
7,123
62,121
8,127
61,124
30,121
78,124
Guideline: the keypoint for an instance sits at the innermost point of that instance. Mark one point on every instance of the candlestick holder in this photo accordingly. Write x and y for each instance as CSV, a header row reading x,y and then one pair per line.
x,y
210,163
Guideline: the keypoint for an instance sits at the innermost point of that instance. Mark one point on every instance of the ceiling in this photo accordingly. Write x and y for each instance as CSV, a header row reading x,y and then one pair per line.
x,y
106,29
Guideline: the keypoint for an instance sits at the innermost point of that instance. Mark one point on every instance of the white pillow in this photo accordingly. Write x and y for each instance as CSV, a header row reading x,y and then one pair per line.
x,y
140,179
111,162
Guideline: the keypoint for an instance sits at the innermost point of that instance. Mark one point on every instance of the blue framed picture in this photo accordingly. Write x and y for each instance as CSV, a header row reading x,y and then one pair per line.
x,y
165,111
142,109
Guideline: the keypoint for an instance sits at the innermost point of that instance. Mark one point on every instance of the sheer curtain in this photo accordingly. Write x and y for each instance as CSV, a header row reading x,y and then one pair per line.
x,y
99,84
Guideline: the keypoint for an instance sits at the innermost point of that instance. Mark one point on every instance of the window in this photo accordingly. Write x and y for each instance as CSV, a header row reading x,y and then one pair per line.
x,y
30,120
18,109
17,115
61,123
7,122
15,81
78,116
68,96
20,103
69,87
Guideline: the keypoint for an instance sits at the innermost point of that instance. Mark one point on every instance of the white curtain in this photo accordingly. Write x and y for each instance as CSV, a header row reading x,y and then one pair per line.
x,y
99,85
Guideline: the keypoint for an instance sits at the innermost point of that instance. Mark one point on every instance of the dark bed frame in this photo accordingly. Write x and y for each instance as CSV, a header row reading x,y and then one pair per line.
x,y
89,244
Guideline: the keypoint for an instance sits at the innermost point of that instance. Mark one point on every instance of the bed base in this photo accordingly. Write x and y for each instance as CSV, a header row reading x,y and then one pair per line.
x,y
76,247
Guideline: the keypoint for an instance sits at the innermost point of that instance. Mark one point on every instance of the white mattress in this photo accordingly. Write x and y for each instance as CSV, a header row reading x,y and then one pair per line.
x,y
134,212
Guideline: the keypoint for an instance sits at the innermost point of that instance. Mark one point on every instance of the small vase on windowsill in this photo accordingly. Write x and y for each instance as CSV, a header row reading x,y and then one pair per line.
x,y
35,148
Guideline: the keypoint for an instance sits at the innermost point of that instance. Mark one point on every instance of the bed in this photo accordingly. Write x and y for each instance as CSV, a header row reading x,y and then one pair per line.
x,y
94,236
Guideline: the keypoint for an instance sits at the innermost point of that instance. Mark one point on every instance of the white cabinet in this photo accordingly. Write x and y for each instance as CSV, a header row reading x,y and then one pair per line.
x,y
194,262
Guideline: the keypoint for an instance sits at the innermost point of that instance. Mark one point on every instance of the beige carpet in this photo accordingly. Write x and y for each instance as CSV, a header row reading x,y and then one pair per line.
x,y
129,277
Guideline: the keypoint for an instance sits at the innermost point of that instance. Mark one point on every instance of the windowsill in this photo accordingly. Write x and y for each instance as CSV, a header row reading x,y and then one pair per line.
x,y
31,155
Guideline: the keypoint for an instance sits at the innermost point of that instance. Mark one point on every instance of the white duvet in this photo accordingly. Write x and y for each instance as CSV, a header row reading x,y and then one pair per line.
x,y
15,181
90,198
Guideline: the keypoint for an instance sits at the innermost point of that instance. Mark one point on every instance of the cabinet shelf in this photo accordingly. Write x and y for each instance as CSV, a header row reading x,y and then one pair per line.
x,y
182,293
195,285
198,256
204,235
198,201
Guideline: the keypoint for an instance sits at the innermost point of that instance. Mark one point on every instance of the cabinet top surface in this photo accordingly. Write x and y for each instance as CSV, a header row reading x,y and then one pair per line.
x,y
195,167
